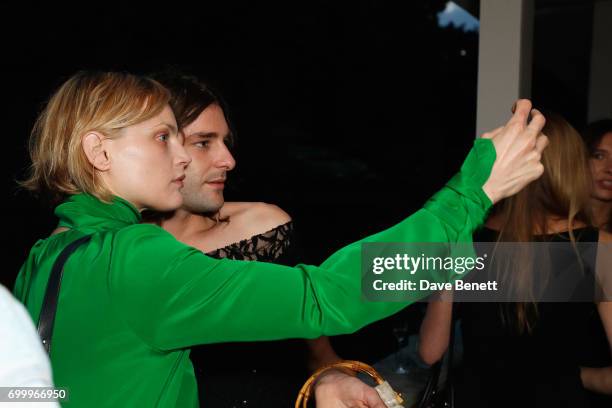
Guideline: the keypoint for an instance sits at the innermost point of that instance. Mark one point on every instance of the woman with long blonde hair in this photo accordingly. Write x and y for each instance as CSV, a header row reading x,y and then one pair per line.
x,y
529,353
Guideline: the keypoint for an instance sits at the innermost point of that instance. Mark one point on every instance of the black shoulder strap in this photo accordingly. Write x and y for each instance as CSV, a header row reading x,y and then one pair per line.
x,y
49,306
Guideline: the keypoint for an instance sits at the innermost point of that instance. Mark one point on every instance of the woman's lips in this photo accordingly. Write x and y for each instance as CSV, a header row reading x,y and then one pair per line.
x,y
605,184
179,181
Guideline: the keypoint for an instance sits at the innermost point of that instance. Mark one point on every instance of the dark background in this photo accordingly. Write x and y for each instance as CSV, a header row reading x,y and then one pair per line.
x,y
349,115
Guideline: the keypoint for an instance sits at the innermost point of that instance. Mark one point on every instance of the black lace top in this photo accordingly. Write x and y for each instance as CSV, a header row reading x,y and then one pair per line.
x,y
270,246
253,374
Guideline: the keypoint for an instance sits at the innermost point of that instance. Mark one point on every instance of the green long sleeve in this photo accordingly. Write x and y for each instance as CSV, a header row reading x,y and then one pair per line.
x,y
271,301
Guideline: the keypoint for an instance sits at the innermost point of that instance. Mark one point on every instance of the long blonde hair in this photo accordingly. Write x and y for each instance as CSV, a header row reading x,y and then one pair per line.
x,y
104,102
562,192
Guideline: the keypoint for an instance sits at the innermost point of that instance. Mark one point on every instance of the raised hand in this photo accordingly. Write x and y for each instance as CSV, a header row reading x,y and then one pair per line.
x,y
518,145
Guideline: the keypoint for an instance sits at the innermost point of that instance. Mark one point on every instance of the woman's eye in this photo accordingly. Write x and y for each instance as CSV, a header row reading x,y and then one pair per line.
x,y
163,137
598,156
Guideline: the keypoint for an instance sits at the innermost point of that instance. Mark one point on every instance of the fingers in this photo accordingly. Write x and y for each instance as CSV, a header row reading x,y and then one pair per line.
x,y
541,143
533,173
537,122
491,134
372,399
521,112
539,170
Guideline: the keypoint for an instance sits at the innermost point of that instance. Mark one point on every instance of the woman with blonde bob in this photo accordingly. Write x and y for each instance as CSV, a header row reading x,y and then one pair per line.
x,y
530,353
133,299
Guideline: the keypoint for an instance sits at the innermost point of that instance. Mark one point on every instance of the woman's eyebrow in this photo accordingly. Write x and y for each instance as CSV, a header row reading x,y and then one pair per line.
x,y
170,126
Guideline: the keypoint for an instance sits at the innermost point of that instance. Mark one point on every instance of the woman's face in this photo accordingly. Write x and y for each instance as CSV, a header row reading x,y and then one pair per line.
x,y
601,167
147,163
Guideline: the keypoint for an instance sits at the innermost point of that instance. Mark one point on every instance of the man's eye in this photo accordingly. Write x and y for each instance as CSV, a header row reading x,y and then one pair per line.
x,y
203,144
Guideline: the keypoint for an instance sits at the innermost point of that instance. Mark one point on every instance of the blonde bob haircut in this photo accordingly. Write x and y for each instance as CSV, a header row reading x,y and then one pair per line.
x,y
104,102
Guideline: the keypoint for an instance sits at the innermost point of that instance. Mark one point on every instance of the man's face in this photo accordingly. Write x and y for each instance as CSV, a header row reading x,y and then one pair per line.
x,y
205,142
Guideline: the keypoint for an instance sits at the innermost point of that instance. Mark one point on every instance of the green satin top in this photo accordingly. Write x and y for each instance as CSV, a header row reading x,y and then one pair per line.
x,y
134,299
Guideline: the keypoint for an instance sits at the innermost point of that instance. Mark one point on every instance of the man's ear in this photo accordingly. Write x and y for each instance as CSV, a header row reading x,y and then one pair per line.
x,y
95,150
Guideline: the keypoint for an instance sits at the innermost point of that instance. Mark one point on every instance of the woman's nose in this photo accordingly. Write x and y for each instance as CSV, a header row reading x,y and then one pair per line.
x,y
182,157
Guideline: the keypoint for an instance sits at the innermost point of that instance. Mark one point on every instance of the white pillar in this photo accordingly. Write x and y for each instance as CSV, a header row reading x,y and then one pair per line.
x,y
504,59
600,86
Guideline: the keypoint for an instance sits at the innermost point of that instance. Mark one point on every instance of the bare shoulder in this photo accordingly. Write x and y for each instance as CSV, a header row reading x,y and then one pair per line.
x,y
255,217
605,236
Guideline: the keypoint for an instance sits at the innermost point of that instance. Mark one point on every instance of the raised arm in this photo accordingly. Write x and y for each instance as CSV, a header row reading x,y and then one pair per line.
x,y
176,297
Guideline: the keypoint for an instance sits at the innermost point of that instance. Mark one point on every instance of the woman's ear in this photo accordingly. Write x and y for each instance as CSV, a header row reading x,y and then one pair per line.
x,y
95,150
